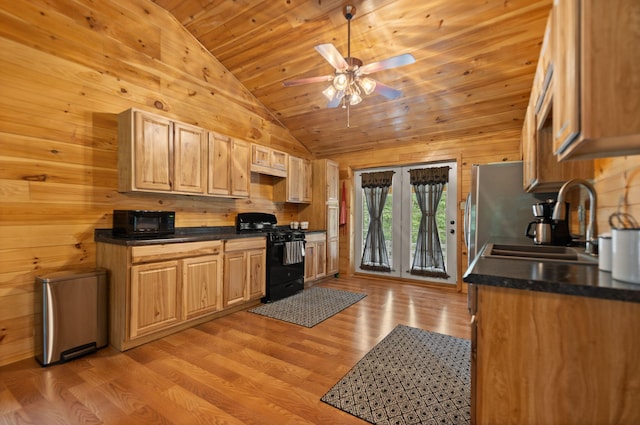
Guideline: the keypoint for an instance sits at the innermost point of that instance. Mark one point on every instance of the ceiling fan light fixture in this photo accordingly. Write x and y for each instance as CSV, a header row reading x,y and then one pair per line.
x,y
340,81
354,99
368,85
329,92
349,83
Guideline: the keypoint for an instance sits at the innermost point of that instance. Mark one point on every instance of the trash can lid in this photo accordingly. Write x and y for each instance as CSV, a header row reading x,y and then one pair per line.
x,y
70,274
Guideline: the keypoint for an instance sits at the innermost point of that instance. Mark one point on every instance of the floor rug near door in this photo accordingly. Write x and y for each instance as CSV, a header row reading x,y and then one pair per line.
x,y
309,307
412,376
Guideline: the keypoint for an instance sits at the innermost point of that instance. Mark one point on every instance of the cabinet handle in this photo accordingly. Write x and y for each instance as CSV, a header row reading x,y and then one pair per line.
x,y
474,320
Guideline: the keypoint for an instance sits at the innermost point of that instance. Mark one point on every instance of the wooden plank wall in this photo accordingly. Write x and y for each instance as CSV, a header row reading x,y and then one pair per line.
x,y
67,68
472,150
617,182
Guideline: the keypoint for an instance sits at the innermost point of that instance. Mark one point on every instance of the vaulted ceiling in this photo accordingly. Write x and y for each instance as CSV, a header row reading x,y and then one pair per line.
x,y
475,61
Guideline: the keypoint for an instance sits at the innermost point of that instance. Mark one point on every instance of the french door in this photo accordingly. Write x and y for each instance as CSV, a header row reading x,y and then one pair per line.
x,y
400,222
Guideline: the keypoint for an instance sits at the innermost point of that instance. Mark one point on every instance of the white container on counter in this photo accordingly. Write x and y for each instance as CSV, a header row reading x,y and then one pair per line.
x,y
625,255
604,252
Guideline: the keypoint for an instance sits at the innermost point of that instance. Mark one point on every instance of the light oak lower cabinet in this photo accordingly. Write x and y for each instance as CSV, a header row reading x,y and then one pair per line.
x,y
155,298
156,290
245,270
202,285
544,358
315,264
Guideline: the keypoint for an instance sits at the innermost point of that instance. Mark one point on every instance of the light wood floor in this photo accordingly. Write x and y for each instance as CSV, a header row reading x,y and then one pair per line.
x,y
239,369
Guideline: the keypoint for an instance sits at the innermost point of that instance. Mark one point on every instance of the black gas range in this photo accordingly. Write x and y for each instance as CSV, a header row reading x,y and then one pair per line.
x,y
285,254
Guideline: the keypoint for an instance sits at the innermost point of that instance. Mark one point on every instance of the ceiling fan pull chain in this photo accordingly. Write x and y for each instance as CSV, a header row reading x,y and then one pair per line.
x,y
349,16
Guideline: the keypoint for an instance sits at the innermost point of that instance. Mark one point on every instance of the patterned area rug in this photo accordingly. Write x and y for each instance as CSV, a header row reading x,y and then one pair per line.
x,y
309,307
412,376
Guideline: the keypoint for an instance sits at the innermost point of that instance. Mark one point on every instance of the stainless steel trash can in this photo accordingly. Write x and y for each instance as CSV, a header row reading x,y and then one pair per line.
x,y
74,315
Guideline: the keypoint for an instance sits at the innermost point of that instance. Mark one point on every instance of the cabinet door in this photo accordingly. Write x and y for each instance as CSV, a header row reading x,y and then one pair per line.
x,y
260,156
154,297
307,181
333,259
294,180
201,285
189,153
321,259
566,74
153,152
219,180
235,278
257,274
333,181
528,148
332,239
239,168
278,160
310,261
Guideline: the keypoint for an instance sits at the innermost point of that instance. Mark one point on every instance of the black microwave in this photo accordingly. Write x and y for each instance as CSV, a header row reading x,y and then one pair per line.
x,y
141,223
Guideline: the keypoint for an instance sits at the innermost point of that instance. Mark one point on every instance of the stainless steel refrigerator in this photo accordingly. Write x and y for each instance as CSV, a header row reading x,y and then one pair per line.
x,y
497,206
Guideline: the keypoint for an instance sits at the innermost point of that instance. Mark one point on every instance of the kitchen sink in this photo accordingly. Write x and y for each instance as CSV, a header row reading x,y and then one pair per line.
x,y
545,253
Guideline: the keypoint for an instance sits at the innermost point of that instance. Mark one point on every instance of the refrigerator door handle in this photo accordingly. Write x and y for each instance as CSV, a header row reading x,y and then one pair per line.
x,y
465,224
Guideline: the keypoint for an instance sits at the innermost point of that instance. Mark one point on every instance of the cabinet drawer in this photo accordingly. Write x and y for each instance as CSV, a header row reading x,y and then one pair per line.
x,y
161,252
245,244
316,237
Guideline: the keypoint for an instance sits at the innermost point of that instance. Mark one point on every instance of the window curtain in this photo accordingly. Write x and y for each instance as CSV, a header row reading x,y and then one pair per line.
x,y
428,184
376,187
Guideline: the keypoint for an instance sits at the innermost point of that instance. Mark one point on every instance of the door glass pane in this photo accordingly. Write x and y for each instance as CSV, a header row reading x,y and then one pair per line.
x,y
441,222
387,223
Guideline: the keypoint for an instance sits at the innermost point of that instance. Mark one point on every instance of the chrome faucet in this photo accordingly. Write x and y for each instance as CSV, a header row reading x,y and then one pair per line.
x,y
559,211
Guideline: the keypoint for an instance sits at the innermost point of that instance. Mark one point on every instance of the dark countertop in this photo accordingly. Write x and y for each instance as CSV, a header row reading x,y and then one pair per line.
x,y
182,234
546,276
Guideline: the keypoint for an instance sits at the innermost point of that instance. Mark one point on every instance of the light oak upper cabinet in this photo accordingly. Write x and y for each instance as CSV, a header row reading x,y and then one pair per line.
x,y
159,155
597,92
244,270
190,150
269,161
296,187
323,213
145,152
541,170
229,173
156,154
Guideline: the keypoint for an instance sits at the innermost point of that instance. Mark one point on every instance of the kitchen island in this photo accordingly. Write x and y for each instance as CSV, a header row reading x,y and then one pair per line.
x,y
553,343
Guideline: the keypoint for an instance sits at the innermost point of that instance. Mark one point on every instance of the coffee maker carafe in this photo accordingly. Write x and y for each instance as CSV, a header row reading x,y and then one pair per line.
x,y
547,231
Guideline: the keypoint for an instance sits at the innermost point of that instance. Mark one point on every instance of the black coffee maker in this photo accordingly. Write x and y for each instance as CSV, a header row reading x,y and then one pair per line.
x,y
545,230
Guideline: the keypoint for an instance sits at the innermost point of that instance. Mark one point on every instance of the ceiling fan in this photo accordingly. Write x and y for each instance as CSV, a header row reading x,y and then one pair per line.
x,y
350,82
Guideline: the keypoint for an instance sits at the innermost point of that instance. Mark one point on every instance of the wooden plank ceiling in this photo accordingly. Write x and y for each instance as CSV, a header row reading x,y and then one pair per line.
x,y
475,62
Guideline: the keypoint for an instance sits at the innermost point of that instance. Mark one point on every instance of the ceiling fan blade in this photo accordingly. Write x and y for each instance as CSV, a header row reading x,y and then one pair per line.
x,y
332,55
389,63
386,91
291,83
